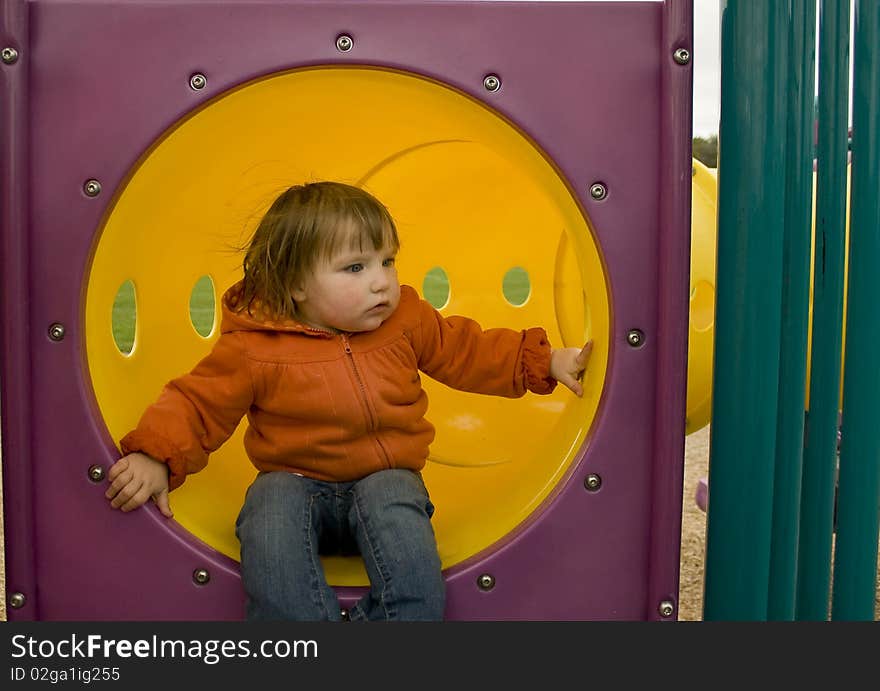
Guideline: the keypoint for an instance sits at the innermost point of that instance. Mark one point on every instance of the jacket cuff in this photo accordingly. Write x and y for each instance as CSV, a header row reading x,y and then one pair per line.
x,y
159,449
536,361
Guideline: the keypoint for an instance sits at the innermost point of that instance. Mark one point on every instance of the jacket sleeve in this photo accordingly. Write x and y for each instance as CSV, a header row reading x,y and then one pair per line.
x,y
502,362
195,413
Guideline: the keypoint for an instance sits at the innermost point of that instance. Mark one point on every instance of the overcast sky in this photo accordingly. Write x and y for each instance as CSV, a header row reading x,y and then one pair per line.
x,y
707,67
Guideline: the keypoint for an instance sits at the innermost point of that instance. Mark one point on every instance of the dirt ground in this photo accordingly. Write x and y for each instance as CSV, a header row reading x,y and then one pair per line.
x,y
693,535
693,528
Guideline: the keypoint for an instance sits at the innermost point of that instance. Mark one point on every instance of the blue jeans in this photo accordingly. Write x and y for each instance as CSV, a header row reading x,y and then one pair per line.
x,y
288,520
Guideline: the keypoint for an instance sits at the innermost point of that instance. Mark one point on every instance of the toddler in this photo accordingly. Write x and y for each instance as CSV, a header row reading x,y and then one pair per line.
x,y
321,348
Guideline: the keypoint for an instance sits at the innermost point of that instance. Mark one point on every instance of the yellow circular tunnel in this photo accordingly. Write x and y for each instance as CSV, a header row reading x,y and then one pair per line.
x,y
701,327
475,201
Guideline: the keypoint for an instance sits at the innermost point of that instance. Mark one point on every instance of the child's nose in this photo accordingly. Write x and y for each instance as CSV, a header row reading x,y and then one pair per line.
x,y
379,280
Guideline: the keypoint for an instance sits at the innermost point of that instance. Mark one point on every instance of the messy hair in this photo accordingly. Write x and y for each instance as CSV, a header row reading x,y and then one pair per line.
x,y
305,225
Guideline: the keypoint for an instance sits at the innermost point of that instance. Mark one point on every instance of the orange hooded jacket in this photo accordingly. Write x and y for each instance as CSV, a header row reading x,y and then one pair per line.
x,y
333,407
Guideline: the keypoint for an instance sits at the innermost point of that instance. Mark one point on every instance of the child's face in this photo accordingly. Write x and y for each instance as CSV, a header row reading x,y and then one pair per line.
x,y
353,291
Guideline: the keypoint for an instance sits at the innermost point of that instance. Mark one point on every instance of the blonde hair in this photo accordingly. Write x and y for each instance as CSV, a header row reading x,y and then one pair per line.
x,y
307,224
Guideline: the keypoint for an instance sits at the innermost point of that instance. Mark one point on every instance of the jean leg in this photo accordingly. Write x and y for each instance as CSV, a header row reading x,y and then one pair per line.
x,y
391,520
278,529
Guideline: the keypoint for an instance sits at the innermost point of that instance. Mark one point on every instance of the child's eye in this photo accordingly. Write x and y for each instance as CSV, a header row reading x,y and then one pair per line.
x,y
389,262
354,268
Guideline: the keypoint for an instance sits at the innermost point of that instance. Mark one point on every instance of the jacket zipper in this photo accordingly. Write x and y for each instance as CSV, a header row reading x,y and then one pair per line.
x,y
373,424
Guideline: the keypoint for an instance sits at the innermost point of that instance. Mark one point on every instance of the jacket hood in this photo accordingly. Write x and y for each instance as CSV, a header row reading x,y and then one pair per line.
x,y
257,317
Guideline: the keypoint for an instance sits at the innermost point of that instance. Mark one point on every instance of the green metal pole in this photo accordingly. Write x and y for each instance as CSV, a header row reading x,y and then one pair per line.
x,y
795,311
751,194
820,448
855,561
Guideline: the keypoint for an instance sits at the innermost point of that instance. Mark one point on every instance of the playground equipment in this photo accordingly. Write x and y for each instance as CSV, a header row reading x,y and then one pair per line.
x,y
772,478
701,321
702,312
139,147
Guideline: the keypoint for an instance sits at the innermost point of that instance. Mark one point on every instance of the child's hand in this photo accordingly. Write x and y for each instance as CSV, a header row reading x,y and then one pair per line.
x,y
567,366
134,479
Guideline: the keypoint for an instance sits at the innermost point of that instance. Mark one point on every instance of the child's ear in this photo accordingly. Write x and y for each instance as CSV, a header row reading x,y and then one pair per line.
x,y
298,294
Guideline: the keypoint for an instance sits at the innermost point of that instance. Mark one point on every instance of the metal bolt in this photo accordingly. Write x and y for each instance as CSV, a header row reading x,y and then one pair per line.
x,y
635,338
344,43
492,82
598,191
17,600
96,473
593,482
201,576
57,331
666,608
92,188
682,56
344,614
486,581
198,81
9,55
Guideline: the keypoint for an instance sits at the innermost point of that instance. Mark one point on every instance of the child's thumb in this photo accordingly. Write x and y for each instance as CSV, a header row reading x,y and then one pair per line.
x,y
573,384
161,500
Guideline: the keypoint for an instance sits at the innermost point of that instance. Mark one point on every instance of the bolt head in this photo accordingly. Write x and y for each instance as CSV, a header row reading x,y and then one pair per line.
x,y
598,191
682,56
492,82
486,581
666,608
201,576
593,482
197,82
17,600
344,43
92,188
57,331
635,338
9,55
96,473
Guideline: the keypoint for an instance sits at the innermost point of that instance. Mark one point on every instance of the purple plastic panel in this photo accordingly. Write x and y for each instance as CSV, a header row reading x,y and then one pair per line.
x,y
673,298
15,408
594,84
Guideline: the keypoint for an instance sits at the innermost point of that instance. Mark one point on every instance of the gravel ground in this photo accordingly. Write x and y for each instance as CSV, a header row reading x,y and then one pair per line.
x,y
693,528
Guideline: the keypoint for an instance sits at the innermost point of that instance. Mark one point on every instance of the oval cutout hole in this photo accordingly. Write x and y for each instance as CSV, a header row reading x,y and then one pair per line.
x,y
435,288
516,286
201,306
123,320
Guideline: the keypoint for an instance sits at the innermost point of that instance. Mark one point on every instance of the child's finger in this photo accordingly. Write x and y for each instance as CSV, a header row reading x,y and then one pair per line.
x,y
137,500
161,500
125,494
120,481
574,385
116,468
584,356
